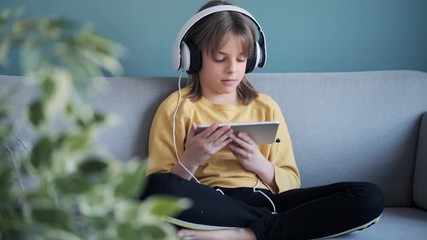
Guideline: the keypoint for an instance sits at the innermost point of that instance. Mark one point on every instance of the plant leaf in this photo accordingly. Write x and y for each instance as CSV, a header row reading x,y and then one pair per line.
x,y
42,152
56,234
36,113
5,174
4,49
131,181
78,141
48,87
52,217
93,165
166,205
98,202
154,232
72,184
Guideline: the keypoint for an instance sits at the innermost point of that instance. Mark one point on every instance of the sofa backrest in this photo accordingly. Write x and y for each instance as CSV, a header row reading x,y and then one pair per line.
x,y
130,102
359,126
133,103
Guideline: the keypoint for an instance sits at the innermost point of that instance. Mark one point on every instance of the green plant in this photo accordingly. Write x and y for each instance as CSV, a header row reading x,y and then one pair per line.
x,y
76,191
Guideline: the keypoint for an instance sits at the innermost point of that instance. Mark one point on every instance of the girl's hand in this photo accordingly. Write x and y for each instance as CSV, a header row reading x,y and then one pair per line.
x,y
247,153
200,147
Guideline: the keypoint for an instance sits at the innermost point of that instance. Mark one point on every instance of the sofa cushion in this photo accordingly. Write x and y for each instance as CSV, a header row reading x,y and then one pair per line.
x,y
396,223
420,178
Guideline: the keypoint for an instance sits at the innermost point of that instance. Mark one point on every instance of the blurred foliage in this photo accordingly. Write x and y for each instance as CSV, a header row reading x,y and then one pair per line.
x,y
64,187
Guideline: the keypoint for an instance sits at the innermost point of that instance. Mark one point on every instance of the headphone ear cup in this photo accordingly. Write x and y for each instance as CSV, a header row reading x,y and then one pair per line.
x,y
253,58
193,58
185,57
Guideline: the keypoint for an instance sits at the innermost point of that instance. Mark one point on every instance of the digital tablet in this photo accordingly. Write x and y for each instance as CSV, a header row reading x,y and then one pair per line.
x,y
260,132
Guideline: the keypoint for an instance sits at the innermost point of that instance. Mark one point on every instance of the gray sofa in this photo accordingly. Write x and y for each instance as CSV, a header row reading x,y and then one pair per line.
x,y
351,126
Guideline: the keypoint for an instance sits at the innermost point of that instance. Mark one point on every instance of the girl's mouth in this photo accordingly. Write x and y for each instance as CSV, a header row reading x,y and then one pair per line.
x,y
229,81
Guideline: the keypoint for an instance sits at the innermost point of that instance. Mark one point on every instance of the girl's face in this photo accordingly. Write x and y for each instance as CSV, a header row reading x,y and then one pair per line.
x,y
221,73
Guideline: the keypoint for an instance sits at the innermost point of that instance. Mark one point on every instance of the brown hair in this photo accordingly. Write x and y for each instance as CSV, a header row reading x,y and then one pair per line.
x,y
208,35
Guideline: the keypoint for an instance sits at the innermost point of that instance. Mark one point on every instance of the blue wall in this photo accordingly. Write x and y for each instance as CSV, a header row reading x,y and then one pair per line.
x,y
302,35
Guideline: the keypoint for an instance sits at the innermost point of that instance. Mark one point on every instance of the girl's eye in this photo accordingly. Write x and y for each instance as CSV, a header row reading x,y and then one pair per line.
x,y
219,60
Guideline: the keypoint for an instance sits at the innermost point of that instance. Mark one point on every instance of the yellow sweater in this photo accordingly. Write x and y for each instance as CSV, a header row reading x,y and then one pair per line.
x,y
222,169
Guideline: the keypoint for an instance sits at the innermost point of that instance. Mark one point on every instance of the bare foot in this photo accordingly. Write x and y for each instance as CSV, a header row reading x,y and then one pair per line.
x,y
235,234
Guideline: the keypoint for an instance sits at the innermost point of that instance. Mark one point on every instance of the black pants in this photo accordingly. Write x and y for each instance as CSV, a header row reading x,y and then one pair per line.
x,y
301,213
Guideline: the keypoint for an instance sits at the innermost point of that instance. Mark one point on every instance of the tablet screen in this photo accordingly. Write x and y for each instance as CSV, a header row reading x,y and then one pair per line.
x,y
260,132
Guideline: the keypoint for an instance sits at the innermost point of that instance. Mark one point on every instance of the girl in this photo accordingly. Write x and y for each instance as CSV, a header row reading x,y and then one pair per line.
x,y
240,190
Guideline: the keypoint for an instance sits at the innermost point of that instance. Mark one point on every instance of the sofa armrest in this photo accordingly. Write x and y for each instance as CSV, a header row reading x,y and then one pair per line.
x,y
420,177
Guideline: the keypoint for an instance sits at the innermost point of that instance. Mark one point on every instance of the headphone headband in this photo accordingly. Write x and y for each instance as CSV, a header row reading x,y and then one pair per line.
x,y
176,50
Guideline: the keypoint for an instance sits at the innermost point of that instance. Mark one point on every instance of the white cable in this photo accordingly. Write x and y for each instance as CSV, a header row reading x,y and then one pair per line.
x,y
258,180
265,195
174,129
174,134
219,190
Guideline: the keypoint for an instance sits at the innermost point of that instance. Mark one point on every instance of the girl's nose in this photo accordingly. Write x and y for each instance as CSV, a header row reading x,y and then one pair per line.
x,y
231,66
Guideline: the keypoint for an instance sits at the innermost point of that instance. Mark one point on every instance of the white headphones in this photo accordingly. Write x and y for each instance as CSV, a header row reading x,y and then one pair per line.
x,y
184,54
